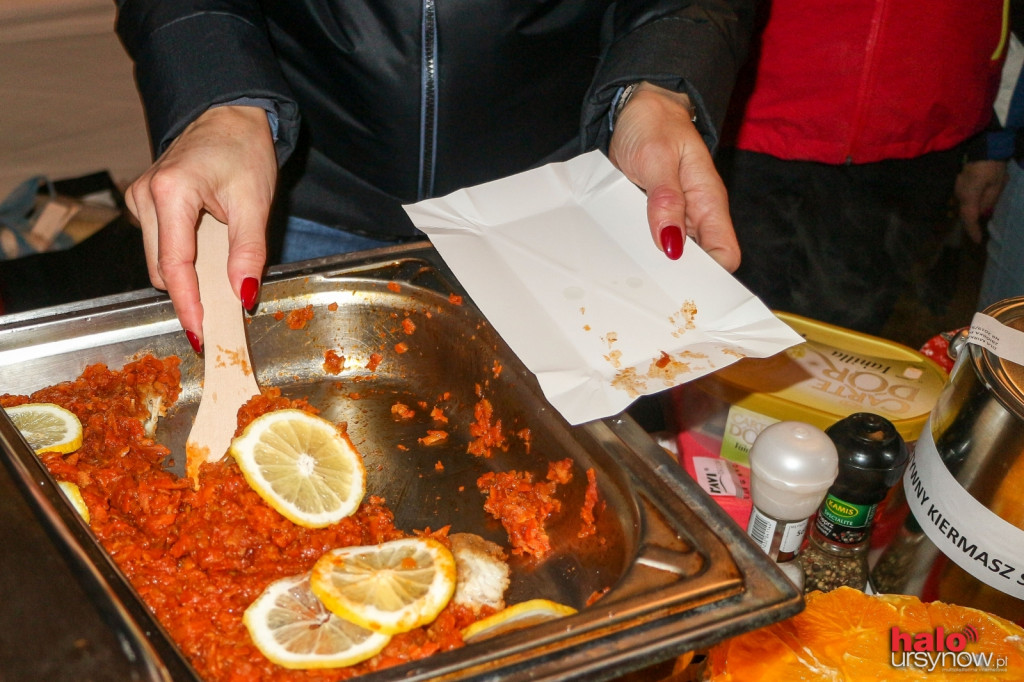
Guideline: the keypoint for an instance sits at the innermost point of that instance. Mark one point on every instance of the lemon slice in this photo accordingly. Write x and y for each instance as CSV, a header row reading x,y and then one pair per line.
x,y
293,629
302,465
47,427
74,496
391,587
521,615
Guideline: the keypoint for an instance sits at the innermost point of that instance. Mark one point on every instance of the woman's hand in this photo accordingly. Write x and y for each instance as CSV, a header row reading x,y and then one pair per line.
x,y
223,163
656,145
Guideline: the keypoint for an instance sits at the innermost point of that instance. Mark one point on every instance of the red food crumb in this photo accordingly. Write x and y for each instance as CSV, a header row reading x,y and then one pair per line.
x,y
401,347
438,415
374,361
402,411
332,307
486,431
560,471
439,466
408,326
526,436
394,286
433,437
596,595
333,362
454,299
522,507
298,318
588,528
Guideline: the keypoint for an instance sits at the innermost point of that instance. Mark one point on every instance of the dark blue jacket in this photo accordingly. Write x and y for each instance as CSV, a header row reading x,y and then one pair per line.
x,y
399,101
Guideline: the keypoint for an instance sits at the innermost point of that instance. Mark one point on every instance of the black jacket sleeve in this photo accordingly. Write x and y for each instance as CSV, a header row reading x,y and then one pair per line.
x,y
192,54
694,47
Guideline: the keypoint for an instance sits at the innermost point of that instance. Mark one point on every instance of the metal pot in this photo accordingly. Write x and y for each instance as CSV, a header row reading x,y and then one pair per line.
x,y
966,482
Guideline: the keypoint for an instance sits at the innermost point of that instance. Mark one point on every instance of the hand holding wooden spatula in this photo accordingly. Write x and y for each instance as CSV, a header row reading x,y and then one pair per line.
x,y
229,379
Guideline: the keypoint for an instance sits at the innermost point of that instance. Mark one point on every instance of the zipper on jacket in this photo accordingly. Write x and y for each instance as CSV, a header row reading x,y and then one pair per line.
x,y
428,101
867,77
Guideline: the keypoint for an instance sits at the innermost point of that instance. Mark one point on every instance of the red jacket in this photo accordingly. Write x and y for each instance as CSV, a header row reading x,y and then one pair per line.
x,y
864,80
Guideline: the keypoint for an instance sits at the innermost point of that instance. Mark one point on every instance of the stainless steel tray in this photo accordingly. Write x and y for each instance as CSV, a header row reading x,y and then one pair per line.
x,y
680,575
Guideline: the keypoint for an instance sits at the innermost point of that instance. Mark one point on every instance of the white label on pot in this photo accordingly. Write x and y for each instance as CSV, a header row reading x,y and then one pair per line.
x,y
966,531
996,337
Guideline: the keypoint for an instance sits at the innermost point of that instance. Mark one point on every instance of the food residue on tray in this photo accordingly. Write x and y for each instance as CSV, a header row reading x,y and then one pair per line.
x,y
334,362
486,431
524,506
297,319
402,411
200,556
433,437
588,528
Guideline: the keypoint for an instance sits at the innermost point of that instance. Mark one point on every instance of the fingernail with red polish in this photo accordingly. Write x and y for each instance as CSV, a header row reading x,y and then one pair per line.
x,y
250,288
672,241
194,340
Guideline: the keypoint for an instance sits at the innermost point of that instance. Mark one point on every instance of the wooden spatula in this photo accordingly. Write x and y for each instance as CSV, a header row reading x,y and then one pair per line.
x,y
229,379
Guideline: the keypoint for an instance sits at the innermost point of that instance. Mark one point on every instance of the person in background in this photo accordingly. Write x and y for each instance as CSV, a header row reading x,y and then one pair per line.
x,y
845,140
992,180
399,102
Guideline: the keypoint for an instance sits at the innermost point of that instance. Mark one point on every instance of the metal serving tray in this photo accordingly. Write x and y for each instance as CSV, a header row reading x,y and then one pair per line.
x,y
679,574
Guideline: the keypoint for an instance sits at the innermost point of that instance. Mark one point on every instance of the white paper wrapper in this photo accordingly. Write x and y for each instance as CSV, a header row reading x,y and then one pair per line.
x,y
560,260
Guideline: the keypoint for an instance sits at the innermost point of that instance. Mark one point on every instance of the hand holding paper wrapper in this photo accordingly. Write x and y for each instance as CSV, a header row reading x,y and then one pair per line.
x,y
560,261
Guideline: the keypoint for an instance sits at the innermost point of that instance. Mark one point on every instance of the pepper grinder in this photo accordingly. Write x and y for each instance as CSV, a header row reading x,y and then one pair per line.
x,y
872,457
792,466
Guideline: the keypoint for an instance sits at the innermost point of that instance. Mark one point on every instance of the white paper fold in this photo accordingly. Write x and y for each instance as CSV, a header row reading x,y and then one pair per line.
x,y
561,263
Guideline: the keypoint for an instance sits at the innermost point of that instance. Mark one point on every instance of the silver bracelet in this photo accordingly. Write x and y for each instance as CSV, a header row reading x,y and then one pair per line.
x,y
620,102
627,93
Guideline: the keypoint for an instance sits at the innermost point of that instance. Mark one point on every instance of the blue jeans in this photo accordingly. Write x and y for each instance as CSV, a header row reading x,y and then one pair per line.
x,y
305,239
1004,265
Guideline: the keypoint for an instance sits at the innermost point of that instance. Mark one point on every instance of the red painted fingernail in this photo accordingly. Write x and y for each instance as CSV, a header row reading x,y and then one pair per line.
x,y
672,241
250,288
194,340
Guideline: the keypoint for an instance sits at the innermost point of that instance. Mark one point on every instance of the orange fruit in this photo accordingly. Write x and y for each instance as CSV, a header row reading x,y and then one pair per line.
x,y
846,635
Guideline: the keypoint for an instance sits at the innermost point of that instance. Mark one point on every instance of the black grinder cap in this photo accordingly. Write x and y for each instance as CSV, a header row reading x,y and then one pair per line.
x,y
872,457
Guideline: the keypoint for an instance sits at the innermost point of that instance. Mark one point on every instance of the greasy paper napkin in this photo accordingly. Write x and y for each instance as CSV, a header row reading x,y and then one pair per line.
x,y
560,261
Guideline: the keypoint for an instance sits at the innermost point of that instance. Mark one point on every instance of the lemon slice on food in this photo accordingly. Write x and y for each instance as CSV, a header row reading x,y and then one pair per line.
x,y
74,496
293,629
520,615
302,465
392,587
47,427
